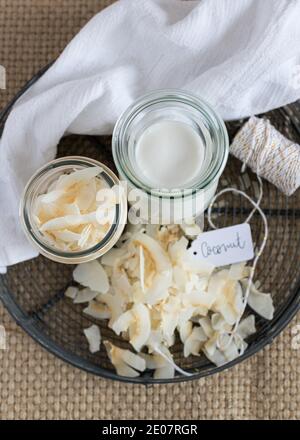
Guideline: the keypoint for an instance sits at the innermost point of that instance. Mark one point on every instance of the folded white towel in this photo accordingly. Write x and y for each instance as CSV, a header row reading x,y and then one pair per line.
x,y
241,56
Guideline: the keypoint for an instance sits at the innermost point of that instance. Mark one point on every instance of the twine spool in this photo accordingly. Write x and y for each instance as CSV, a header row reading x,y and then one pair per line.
x,y
269,154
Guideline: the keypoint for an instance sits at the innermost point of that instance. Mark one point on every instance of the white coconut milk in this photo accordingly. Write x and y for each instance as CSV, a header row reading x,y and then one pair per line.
x,y
169,154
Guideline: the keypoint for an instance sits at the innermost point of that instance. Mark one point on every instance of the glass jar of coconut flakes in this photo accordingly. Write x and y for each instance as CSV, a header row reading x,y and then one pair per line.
x,y
73,210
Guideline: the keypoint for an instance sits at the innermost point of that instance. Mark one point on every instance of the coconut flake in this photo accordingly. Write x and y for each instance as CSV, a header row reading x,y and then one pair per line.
x,y
165,372
92,275
51,196
112,256
201,267
261,303
68,221
236,271
246,327
159,256
86,195
83,175
206,326
137,320
67,236
85,295
158,291
71,292
94,338
97,310
114,304
190,228
125,362
185,329
194,342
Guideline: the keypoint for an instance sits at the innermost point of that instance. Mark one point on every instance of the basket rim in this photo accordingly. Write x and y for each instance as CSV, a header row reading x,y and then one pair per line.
x,y
288,312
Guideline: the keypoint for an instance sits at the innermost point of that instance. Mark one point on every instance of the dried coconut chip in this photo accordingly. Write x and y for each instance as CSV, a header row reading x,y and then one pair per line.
x,y
85,295
163,368
194,342
236,271
85,175
137,321
97,310
92,275
125,362
71,292
261,303
93,336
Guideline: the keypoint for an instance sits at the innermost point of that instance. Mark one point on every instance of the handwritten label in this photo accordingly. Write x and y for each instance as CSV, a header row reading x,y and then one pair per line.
x,y
224,246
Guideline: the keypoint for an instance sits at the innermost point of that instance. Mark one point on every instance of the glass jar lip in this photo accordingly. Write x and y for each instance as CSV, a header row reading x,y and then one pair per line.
x,y
170,95
75,257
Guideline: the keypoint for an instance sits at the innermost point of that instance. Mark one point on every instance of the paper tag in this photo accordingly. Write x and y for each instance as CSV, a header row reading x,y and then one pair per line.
x,y
224,246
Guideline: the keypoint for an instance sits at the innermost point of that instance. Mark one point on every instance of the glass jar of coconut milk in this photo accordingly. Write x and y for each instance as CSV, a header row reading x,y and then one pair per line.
x,y
170,147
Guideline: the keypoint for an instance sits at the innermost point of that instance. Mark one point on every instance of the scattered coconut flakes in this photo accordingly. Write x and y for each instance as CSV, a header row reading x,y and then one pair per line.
x,y
94,337
92,275
155,290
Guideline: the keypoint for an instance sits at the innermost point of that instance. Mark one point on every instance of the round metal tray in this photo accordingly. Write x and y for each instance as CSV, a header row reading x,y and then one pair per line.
x,y
33,291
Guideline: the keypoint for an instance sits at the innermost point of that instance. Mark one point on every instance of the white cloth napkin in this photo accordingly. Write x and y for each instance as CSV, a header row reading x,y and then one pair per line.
x,y
242,56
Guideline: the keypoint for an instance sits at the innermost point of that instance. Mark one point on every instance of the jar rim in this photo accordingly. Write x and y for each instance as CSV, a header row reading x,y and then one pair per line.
x,y
72,257
171,96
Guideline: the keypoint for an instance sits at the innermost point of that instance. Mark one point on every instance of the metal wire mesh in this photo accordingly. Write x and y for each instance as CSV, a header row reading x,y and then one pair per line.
x,y
33,291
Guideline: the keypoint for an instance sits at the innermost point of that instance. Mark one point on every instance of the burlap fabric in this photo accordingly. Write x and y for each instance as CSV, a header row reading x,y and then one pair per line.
x,y
36,385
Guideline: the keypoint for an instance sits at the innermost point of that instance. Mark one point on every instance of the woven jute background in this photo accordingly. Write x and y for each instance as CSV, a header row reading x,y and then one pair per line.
x,y
36,385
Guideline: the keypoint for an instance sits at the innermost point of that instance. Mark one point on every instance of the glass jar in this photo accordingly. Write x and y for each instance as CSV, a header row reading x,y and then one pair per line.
x,y
160,206
39,184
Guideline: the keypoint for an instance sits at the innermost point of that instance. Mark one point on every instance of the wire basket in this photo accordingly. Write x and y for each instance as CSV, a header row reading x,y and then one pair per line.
x,y
33,291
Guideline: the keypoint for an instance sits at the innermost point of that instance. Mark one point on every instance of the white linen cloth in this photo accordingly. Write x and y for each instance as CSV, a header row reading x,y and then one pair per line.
x,y
242,56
